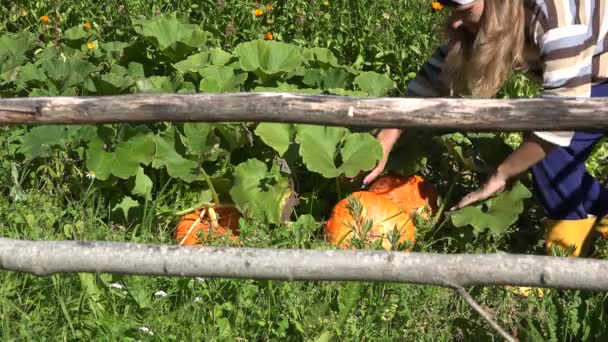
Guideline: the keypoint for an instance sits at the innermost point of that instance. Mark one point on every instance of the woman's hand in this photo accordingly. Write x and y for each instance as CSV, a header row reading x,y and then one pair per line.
x,y
495,184
387,138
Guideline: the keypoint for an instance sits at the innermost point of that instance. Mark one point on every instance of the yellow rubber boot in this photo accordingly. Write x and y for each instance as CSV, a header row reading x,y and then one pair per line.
x,y
602,227
566,233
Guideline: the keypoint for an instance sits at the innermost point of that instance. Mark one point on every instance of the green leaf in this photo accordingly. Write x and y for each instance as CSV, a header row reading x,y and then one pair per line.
x,y
113,51
336,78
17,44
276,135
167,156
66,73
319,147
291,88
143,184
221,79
374,84
75,36
159,84
268,58
361,152
325,57
125,205
130,154
114,82
195,137
194,63
259,192
39,140
124,162
172,37
198,61
496,214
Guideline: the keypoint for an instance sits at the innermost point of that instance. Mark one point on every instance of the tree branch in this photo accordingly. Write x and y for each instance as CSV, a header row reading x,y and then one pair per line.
x,y
486,315
449,270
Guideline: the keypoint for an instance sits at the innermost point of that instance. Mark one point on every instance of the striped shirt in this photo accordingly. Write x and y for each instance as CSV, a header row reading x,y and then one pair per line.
x,y
570,47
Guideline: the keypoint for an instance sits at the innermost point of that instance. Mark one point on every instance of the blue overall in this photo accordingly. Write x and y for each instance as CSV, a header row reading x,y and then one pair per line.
x,y
565,188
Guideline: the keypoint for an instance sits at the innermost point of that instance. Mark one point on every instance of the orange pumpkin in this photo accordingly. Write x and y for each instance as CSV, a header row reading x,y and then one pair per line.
x,y
385,214
227,225
410,193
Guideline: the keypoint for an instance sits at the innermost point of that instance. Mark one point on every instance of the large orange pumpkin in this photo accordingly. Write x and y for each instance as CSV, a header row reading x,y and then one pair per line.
x,y
207,229
412,194
385,214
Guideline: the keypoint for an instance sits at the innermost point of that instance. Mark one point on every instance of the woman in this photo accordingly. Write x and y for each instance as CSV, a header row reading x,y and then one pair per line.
x,y
562,43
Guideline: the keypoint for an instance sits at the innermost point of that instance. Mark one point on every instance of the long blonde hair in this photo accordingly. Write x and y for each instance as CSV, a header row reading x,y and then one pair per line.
x,y
478,64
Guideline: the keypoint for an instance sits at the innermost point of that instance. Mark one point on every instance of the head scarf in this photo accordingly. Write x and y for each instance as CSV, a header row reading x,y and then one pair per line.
x,y
455,3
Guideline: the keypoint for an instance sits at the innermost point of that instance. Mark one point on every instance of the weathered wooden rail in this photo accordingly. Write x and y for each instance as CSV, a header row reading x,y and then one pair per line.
x,y
461,114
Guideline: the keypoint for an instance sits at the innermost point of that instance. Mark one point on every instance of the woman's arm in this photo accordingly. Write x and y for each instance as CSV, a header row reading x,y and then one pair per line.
x,y
530,152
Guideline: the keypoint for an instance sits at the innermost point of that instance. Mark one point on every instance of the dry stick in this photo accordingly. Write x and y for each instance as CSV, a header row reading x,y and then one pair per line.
x,y
437,113
447,270
486,315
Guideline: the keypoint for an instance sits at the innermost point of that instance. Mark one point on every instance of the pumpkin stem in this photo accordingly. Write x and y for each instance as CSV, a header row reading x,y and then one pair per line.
x,y
216,198
194,224
448,195
213,218
200,205
338,188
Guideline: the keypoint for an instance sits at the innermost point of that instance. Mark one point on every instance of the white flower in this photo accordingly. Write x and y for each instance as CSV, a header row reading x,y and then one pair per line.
x,y
198,299
115,286
161,294
90,175
146,330
200,280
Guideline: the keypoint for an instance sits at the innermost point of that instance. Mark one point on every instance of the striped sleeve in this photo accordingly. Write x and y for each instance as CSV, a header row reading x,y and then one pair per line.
x,y
563,32
428,82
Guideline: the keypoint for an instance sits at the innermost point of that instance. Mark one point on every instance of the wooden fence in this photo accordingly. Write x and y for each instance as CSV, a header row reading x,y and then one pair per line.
x,y
454,271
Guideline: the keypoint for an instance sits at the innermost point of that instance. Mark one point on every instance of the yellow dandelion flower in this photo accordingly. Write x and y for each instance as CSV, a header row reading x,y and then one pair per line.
x,y
437,6
269,35
259,12
45,19
91,46
326,3
87,26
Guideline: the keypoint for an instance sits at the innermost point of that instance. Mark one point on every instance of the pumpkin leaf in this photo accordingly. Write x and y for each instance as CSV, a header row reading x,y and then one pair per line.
x,y
276,135
268,58
496,214
361,152
125,206
195,137
172,37
221,79
374,84
143,184
159,84
320,146
17,44
167,156
259,192
39,140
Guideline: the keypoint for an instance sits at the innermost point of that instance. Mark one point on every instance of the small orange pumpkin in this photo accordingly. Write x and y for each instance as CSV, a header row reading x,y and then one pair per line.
x,y
385,214
208,229
410,193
